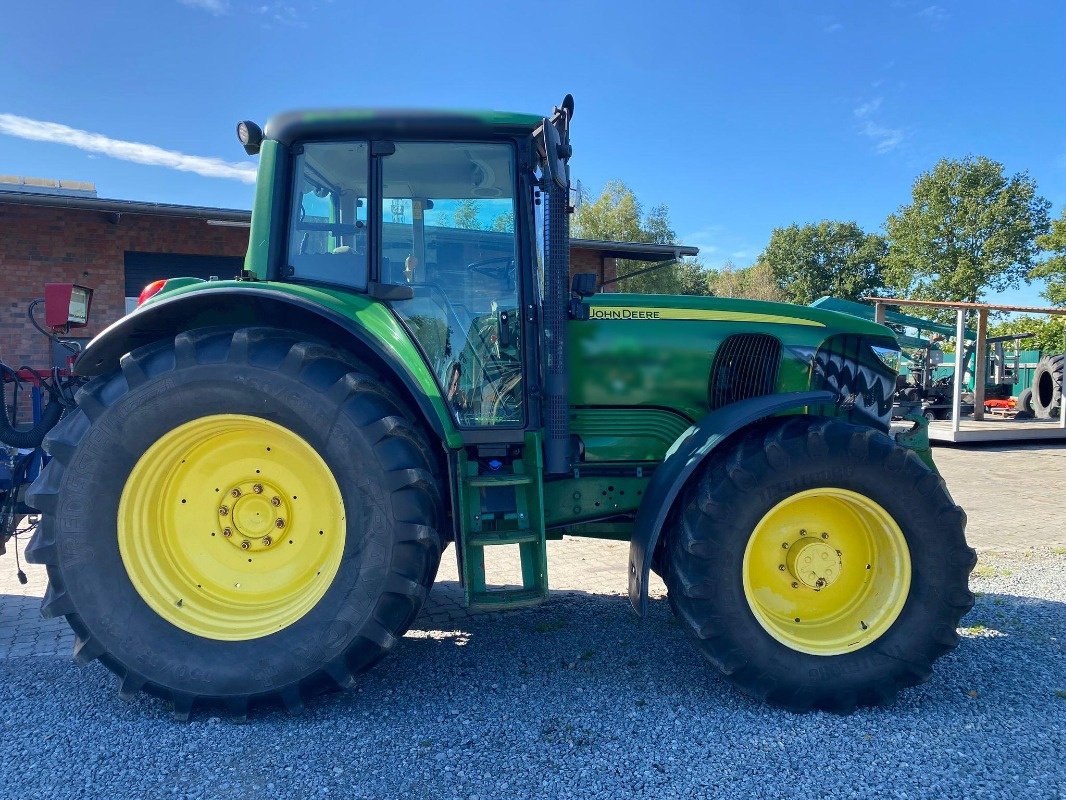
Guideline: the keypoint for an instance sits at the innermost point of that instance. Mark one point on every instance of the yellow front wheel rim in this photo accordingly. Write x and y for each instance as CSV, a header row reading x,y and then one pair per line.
x,y
231,527
826,571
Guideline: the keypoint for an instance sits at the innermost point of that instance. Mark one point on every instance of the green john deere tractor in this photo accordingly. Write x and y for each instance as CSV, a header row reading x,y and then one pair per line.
x,y
250,501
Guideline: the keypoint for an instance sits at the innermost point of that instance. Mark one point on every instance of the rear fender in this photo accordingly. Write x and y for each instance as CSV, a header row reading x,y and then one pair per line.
x,y
250,306
682,461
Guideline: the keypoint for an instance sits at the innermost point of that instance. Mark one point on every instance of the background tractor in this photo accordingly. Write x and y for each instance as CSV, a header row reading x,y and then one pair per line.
x,y
250,500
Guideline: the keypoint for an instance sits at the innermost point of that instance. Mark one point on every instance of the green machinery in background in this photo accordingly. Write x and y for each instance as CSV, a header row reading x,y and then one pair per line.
x,y
250,501
927,376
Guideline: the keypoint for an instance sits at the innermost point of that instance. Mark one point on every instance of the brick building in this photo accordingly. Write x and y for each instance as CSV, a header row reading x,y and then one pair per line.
x,y
61,232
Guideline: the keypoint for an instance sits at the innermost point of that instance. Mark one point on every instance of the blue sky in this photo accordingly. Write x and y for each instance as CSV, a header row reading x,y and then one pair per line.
x,y
739,116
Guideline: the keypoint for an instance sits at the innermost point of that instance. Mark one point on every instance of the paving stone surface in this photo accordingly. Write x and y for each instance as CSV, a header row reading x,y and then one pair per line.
x,y
1012,495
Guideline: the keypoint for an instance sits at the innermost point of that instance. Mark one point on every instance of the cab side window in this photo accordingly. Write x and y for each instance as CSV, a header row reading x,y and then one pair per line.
x,y
328,230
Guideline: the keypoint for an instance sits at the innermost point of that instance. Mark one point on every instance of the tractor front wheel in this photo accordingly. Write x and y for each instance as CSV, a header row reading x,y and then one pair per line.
x,y
819,564
236,516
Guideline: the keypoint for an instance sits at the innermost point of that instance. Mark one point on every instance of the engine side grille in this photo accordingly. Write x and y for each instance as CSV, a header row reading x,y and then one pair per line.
x,y
745,366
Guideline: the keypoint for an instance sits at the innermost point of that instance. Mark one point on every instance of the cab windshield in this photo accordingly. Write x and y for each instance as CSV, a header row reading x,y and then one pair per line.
x,y
448,231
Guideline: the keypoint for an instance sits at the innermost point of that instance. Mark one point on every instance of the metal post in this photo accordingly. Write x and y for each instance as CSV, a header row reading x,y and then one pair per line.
x,y
980,365
879,313
960,346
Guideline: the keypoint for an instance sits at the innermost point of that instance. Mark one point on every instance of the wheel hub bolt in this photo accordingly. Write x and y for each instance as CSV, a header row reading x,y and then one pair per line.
x,y
245,544
227,532
267,541
781,567
223,511
236,493
825,535
258,488
275,501
795,585
784,545
803,531
279,523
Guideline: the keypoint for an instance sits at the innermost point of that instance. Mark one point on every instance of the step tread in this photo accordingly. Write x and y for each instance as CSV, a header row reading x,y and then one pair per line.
x,y
490,538
498,480
498,598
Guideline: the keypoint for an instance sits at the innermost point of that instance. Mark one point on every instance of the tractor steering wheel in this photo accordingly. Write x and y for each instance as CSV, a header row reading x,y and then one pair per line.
x,y
499,273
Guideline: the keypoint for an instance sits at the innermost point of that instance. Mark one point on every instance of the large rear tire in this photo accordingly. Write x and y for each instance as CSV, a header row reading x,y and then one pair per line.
x,y
237,516
1047,387
819,565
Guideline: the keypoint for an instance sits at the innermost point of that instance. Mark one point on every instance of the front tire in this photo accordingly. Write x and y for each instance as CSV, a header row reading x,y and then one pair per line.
x,y
236,516
819,565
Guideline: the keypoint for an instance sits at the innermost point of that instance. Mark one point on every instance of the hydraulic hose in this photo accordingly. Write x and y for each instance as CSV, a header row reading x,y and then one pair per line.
x,y
32,437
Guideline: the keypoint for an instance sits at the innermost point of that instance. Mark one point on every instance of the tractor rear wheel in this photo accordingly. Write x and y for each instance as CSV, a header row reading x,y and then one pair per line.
x,y
237,516
819,564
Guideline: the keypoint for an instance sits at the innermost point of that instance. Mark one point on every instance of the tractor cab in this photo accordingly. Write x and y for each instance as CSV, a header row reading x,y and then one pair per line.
x,y
446,259
431,214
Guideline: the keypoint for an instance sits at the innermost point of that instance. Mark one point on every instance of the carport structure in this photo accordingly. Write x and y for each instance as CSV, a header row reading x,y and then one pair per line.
x,y
978,429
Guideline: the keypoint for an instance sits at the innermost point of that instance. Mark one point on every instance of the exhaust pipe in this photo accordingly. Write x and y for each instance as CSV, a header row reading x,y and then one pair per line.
x,y
555,140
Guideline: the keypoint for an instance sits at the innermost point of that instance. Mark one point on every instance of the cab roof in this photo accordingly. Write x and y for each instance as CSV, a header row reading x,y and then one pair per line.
x,y
364,123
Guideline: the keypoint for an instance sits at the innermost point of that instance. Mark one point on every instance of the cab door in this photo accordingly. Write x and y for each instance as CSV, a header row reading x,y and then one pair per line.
x,y
447,230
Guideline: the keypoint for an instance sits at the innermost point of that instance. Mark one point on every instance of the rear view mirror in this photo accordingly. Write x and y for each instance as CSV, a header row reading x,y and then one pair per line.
x,y
66,305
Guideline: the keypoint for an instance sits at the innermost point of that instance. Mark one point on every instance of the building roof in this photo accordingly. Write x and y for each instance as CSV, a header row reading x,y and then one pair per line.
x,y
19,183
108,205
635,251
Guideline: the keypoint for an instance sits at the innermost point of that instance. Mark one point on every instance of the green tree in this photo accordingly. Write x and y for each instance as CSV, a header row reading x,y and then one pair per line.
x,y
1053,268
753,283
504,223
617,216
968,229
466,215
1048,332
828,258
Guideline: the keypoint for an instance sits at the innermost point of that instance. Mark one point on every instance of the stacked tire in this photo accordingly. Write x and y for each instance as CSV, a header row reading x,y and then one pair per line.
x,y
1047,387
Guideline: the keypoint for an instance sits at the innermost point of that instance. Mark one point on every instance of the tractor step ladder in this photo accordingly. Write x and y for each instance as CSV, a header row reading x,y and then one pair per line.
x,y
499,509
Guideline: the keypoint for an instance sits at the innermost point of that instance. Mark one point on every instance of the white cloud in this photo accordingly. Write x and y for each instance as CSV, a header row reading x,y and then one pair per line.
x,y
934,14
834,27
283,13
137,152
885,138
705,239
868,108
216,7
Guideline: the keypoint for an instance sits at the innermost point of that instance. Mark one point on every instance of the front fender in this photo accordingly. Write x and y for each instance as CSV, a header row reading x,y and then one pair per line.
x,y
687,453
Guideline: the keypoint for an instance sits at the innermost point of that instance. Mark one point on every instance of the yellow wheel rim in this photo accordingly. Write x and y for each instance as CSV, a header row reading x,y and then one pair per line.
x,y
826,571
231,527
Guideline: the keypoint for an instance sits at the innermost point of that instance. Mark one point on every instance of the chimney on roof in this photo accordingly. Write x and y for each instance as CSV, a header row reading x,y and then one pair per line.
x,y
14,183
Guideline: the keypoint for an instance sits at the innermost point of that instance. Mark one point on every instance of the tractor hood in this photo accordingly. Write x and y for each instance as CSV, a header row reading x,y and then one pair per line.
x,y
720,309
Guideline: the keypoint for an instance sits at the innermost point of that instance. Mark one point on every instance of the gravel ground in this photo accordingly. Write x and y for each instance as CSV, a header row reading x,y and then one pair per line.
x,y
576,698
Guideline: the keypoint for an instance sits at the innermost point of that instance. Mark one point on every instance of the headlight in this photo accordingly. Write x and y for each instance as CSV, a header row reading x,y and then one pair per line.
x,y
889,356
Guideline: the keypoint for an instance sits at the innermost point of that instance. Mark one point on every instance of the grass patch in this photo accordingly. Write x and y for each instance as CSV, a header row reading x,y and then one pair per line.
x,y
548,627
1061,694
991,571
974,630
1059,551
